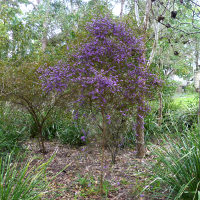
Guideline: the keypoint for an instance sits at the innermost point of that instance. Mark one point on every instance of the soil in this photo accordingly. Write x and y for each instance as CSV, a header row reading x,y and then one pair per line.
x,y
80,180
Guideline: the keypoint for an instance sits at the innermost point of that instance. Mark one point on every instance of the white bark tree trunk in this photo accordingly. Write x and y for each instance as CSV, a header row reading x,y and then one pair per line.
x,y
137,15
153,51
140,143
197,54
122,8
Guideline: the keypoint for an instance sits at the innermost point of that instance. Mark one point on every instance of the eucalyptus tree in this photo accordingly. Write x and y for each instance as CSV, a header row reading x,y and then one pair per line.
x,y
155,19
14,35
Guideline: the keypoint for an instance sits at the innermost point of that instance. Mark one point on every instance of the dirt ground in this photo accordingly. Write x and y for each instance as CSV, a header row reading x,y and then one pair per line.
x,y
80,180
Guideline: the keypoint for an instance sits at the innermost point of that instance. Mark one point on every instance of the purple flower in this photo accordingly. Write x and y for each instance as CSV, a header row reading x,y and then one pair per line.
x,y
89,184
109,119
83,138
83,149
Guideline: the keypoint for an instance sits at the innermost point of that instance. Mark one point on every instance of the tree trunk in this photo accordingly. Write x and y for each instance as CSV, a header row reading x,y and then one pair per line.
x,y
137,16
122,8
153,51
45,26
141,150
103,151
160,110
199,106
42,147
197,55
44,38
140,145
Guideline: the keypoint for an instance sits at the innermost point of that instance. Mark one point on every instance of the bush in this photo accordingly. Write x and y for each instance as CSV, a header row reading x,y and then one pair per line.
x,y
64,128
13,119
176,120
10,142
49,132
12,130
180,120
22,182
190,89
178,166
129,138
73,134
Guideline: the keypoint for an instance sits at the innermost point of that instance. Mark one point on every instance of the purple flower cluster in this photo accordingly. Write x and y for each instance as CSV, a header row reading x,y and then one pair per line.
x,y
109,68
56,77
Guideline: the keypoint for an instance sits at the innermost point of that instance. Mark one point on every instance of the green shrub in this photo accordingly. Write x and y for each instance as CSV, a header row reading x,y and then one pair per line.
x,y
22,182
128,138
190,89
178,166
10,142
151,126
73,134
56,124
50,130
13,129
176,120
13,119
180,120
62,127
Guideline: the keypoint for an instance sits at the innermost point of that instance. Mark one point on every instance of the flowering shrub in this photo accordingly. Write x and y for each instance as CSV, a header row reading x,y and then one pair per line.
x,y
109,69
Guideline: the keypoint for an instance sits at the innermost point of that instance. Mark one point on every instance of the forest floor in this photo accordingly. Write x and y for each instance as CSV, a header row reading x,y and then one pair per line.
x,y
80,180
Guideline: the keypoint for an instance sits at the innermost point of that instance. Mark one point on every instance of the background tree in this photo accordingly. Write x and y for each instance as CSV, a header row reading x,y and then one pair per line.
x,y
159,19
21,88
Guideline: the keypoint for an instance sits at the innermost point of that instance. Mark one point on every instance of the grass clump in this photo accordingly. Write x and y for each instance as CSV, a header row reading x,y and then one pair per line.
x,y
178,166
22,182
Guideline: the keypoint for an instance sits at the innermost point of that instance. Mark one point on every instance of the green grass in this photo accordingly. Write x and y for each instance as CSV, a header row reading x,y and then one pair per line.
x,y
22,182
185,100
178,166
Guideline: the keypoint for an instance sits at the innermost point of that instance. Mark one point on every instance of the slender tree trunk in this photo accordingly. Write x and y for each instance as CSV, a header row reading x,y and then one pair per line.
x,y
153,51
44,38
140,145
197,55
141,150
199,106
160,109
137,16
42,148
45,27
39,132
122,8
103,151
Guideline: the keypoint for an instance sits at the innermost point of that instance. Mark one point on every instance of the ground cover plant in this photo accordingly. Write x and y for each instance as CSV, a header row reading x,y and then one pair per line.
x,y
178,162
22,182
14,126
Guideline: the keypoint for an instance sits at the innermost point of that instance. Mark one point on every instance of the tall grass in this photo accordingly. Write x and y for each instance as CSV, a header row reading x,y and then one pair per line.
x,y
25,182
178,166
